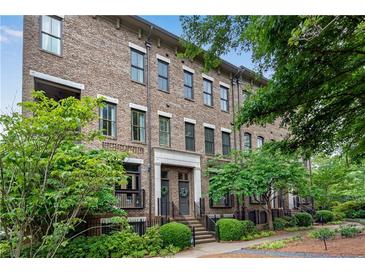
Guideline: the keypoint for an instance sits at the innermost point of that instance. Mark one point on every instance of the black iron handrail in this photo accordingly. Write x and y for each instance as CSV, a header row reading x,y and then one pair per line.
x,y
130,198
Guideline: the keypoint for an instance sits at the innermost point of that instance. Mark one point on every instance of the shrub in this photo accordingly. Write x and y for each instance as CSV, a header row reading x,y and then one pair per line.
x,y
349,231
4,249
349,207
291,222
303,219
176,234
297,228
153,241
324,216
248,227
257,235
230,229
278,244
338,216
280,223
357,214
323,234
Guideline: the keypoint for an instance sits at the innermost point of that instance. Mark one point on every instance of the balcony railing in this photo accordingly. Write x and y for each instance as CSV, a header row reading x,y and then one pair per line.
x,y
130,198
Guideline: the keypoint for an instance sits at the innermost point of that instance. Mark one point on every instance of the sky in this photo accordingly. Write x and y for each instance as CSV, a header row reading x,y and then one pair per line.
x,y
11,48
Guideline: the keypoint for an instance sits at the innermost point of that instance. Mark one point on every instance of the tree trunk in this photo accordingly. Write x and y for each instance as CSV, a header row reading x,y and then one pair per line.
x,y
269,216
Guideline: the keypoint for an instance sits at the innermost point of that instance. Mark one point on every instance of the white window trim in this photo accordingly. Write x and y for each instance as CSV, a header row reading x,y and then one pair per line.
x,y
207,77
133,160
191,121
108,99
226,130
164,114
208,125
224,84
57,80
188,69
162,58
138,107
136,47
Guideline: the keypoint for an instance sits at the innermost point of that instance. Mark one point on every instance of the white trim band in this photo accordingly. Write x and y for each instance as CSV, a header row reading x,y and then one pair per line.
x,y
139,107
208,125
191,121
136,47
224,84
165,114
133,160
162,58
207,77
226,130
188,69
55,79
108,98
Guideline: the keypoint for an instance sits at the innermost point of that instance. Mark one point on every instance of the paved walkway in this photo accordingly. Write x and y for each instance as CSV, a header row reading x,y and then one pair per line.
x,y
227,247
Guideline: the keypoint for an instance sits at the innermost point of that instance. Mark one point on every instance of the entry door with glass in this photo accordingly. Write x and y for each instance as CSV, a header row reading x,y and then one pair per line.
x,y
184,194
165,193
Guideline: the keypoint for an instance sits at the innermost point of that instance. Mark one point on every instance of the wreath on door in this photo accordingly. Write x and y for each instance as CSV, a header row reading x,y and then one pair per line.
x,y
164,190
184,192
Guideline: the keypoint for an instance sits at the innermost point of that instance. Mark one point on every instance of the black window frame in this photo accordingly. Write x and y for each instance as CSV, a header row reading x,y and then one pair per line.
x,y
187,85
137,67
159,76
209,142
224,100
225,146
164,132
102,119
244,140
208,94
257,141
139,112
187,124
42,33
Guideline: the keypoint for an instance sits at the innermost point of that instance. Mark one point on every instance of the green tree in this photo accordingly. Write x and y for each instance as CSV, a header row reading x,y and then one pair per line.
x,y
260,173
318,81
48,180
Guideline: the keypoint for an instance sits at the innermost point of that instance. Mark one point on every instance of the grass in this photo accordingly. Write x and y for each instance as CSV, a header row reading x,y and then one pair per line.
x,y
258,235
278,244
297,228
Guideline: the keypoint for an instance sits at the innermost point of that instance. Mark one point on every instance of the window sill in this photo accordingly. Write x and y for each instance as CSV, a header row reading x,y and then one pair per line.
x,y
164,91
208,106
110,137
188,99
139,83
51,53
224,111
138,142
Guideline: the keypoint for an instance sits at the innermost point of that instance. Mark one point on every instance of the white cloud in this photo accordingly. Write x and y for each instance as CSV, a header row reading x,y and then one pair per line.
x,y
7,33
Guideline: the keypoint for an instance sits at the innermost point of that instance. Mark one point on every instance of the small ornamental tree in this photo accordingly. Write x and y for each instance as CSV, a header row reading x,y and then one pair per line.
x,y
48,180
260,173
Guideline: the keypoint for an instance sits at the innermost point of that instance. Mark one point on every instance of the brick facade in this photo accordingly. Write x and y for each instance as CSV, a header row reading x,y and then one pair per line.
x,y
96,53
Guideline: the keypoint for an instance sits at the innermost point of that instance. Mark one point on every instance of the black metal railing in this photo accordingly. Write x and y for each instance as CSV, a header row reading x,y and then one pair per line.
x,y
204,219
130,198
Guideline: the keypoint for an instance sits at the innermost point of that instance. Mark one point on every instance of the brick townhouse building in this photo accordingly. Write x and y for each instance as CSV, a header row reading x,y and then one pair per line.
x,y
169,114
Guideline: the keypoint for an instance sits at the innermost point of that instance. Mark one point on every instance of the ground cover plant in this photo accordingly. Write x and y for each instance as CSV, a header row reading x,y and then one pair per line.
x,y
323,234
278,244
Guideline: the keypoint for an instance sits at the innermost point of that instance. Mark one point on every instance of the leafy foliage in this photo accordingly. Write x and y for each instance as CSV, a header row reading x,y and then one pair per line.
x,y
323,234
278,244
47,177
324,216
350,231
350,208
257,235
230,229
248,227
280,223
303,219
176,234
317,87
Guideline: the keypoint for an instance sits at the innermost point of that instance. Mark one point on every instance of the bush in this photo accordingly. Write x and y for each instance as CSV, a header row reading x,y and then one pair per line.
x,y
248,227
338,216
303,219
349,207
357,214
280,223
324,216
230,229
4,250
257,235
291,222
349,231
323,233
176,234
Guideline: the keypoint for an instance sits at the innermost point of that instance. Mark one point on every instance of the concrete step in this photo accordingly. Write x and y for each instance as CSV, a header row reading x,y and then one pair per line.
x,y
204,241
203,236
203,232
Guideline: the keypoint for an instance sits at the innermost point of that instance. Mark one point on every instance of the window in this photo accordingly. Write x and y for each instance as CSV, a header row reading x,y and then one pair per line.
x,y
225,201
51,33
138,126
137,66
245,95
260,141
208,92
209,141
247,141
107,120
188,85
226,143
164,131
190,136
163,76
224,99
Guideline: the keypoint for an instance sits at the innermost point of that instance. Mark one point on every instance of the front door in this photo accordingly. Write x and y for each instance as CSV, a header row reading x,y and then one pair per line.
x,y
165,197
184,197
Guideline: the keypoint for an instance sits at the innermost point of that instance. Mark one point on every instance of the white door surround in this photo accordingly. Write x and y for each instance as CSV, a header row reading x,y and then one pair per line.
x,y
176,158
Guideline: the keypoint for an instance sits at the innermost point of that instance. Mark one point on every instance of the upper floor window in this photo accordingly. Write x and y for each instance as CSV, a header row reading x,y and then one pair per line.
x,y
246,95
165,133
208,92
209,140
188,85
137,66
224,99
107,119
260,141
190,136
51,33
247,141
163,76
138,126
226,143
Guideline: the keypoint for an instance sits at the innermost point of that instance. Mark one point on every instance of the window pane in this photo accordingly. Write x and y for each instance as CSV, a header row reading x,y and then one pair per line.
x,y
142,135
56,45
134,57
141,119
260,141
46,24
247,140
188,79
162,68
162,83
55,27
46,42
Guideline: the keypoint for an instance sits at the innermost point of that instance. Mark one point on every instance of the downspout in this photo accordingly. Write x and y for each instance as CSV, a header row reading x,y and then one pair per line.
x,y
149,145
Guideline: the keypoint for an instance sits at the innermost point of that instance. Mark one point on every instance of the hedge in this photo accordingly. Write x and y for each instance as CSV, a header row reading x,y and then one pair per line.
x,y
230,229
176,234
324,216
303,219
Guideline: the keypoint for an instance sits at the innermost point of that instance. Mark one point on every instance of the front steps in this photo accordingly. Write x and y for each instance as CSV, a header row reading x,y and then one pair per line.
x,y
201,234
